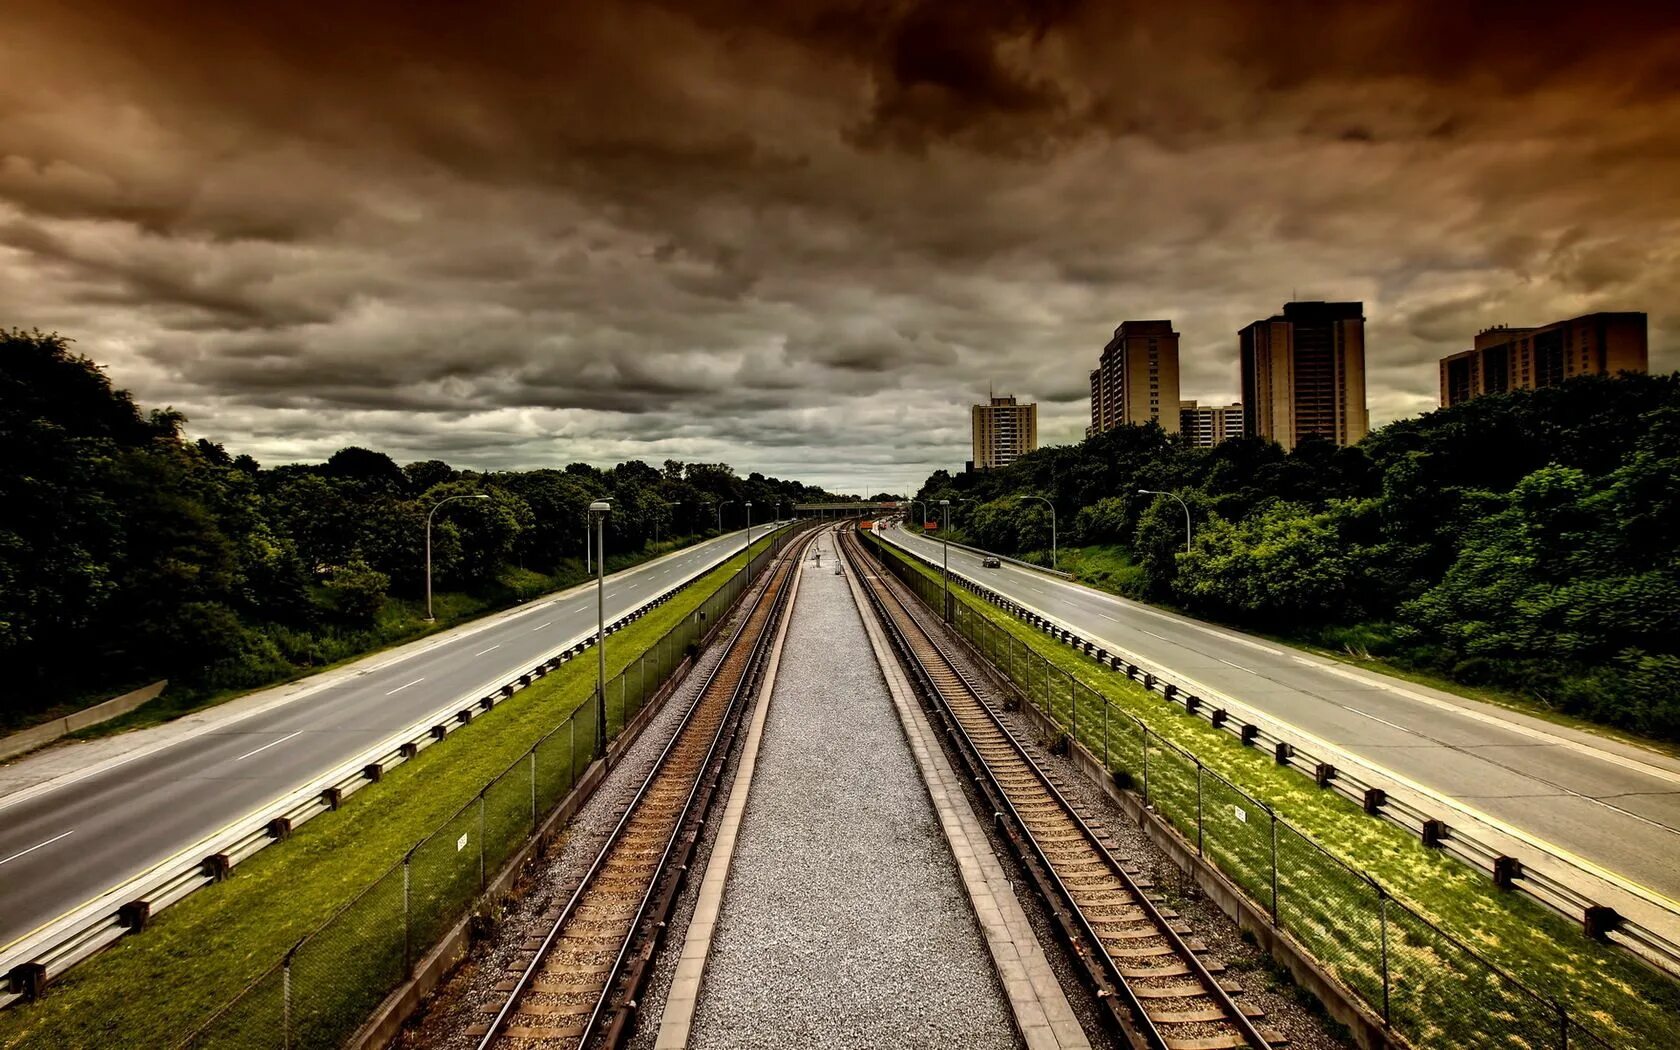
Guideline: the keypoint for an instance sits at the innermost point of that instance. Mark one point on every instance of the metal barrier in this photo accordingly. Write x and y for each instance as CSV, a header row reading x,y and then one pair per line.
x,y
1507,872
72,939
1429,987
323,989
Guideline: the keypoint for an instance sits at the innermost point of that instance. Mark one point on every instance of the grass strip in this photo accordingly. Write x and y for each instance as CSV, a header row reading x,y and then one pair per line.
x,y
1598,983
153,989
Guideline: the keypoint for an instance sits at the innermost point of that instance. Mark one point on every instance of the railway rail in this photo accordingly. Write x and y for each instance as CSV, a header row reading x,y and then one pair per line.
x,y
580,987
1156,983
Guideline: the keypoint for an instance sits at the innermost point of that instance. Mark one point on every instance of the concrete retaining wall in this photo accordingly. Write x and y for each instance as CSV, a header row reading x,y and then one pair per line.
x,y
45,733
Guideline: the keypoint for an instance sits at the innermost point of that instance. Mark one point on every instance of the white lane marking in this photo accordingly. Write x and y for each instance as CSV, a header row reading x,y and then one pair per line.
x,y
1384,721
268,745
540,626
1368,680
400,688
481,652
1152,634
611,593
1239,667
35,847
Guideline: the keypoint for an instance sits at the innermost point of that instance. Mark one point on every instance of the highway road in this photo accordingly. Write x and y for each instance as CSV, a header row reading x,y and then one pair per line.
x,y
1609,803
76,839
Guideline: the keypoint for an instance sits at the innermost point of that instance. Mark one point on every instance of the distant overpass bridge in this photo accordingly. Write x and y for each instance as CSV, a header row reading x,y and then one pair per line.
x,y
844,510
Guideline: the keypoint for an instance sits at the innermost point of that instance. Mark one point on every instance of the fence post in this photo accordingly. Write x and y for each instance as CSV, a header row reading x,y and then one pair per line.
x,y
1563,1025
533,787
1199,808
1105,734
1146,766
286,1000
1273,814
1382,907
571,750
481,841
408,938
1073,719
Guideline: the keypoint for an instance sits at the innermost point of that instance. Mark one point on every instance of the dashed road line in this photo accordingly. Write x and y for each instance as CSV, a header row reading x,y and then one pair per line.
x,y
35,847
268,745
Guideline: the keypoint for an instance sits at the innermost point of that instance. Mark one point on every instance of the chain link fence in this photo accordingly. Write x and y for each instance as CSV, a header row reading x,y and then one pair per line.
x,y
332,979
1427,986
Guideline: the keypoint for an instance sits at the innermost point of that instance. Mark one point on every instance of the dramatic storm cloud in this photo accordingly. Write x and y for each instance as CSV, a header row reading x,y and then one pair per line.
x,y
801,236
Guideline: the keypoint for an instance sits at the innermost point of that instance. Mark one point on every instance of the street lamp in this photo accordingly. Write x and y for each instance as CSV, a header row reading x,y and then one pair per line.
x,y
1186,506
720,507
945,541
598,511
429,617
749,526
1052,507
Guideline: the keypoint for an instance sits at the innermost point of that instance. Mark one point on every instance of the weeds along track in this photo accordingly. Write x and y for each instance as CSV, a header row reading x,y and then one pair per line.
x,y
581,987
1154,981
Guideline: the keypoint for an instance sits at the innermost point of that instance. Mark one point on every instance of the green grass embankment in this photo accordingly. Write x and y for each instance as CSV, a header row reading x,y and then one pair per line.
x,y
1600,985
153,989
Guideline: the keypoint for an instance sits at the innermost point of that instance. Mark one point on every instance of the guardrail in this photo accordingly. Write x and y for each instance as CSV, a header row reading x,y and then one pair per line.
x,y
321,990
35,961
1417,981
1508,872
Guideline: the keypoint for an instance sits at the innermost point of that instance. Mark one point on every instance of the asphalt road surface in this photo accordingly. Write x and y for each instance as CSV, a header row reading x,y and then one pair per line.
x,y
73,842
1610,804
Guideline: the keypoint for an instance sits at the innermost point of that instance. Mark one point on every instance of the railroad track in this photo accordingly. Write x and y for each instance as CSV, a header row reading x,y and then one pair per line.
x,y
1156,983
581,983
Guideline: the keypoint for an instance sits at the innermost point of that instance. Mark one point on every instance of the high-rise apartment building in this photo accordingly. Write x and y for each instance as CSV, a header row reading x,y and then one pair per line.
x,y
1136,379
1303,374
1205,426
1003,431
1505,358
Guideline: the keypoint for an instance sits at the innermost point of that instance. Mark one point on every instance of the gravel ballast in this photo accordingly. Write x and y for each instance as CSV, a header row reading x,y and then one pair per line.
x,y
1292,1012
445,1018
844,922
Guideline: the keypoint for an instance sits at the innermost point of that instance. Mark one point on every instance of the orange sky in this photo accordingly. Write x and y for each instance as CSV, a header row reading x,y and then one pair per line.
x,y
800,236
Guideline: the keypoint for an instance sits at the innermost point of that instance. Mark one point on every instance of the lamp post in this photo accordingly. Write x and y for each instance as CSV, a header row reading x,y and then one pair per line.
x,y
720,507
1052,507
748,547
945,541
598,511
429,617
1186,506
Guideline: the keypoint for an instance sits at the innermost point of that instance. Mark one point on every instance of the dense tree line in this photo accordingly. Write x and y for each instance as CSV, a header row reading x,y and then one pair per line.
x,y
1529,541
128,552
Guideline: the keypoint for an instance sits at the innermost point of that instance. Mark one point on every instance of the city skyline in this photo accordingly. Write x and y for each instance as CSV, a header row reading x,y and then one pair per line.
x,y
786,230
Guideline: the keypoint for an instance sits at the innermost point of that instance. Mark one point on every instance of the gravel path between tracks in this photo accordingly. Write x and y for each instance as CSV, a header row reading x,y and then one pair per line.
x,y
844,922
443,1020
1292,1012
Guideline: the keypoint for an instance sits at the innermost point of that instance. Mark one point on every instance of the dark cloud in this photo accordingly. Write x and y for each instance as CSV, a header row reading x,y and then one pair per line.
x,y
801,236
